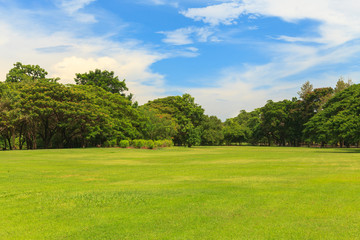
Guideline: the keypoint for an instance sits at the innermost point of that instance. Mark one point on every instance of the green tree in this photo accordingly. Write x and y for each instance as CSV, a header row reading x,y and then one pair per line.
x,y
9,114
306,88
342,85
234,132
211,131
24,73
338,122
186,113
104,79
155,125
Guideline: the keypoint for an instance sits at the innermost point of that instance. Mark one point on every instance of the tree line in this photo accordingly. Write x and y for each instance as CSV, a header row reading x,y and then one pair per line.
x,y
39,112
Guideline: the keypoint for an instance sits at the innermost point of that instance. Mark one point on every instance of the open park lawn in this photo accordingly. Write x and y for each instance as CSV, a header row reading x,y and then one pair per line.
x,y
180,193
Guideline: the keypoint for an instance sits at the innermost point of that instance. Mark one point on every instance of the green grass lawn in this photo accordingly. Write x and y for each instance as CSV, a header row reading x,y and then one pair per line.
x,y
180,193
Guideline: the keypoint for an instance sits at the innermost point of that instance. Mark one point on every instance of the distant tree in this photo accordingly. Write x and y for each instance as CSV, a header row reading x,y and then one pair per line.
x,y
104,79
305,89
156,125
338,122
187,114
342,85
23,73
234,132
211,131
192,135
314,101
9,113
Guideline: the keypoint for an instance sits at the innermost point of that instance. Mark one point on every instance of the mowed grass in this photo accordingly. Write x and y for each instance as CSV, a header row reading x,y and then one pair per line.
x,y
180,193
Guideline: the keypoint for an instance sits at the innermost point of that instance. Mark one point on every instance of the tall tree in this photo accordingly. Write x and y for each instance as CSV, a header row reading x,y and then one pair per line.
x,y
338,122
156,125
187,114
306,88
342,85
211,131
104,79
23,73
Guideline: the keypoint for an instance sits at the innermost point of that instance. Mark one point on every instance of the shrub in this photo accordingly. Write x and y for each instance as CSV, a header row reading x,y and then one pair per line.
x,y
150,144
139,143
110,143
158,143
124,143
163,143
167,143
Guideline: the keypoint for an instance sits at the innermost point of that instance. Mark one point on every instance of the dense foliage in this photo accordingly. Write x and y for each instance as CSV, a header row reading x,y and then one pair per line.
x,y
39,112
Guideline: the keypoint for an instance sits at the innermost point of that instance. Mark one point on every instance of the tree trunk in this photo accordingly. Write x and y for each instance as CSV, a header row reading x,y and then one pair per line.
x,y
13,139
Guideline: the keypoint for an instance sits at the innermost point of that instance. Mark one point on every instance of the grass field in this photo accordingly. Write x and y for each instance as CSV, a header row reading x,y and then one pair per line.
x,y
180,193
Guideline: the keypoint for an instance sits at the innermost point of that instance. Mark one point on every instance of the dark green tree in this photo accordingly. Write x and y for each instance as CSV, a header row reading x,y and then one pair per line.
x,y
338,122
211,131
186,113
24,73
104,79
155,125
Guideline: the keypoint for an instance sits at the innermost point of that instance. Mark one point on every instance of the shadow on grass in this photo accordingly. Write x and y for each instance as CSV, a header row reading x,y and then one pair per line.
x,y
340,150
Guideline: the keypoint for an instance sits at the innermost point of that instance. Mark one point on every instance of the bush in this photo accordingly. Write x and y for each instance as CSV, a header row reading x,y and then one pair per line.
x,y
158,143
139,143
110,143
150,144
163,143
124,144
168,143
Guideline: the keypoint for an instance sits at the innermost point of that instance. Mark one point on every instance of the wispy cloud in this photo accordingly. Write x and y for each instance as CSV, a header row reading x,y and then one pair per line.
x,y
160,2
242,87
224,13
185,36
73,7
339,20
293,57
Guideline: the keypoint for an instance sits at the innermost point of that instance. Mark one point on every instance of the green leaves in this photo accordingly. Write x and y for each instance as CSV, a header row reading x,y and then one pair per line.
x,y
186,114
104,79
26,73
338,122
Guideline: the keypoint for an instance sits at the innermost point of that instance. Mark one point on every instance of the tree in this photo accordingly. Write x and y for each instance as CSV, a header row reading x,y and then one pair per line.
x,y
155,125
338,122
305,89
211,131
234,132
342,85
9,113
104,79
186,113
23,73
192,135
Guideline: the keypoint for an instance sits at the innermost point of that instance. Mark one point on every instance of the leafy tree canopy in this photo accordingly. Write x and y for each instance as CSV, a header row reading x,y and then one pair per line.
x,y
26,73
104,79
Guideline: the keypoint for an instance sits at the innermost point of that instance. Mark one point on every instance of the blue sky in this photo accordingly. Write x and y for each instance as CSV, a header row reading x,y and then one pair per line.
x,y
229,54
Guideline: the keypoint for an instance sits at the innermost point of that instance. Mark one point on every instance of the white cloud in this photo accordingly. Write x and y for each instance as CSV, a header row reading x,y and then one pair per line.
x,y
185,36
225,13
193,49
160,2
178,37
249,87
130,65
339,20
253,28
73,7
63,54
